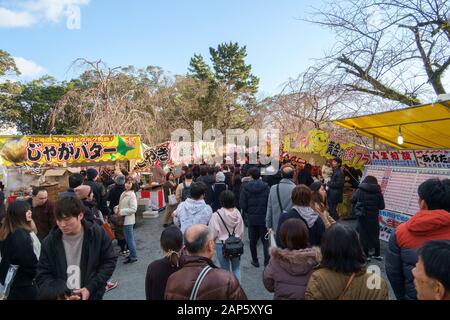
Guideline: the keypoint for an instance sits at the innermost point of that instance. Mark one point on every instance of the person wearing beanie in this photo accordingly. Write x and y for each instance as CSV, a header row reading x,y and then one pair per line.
x,y
98,190
218,188
319,203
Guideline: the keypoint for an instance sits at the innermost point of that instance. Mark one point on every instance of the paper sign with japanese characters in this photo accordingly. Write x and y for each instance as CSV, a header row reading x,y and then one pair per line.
x,y
397,158
433,158
67,150
389,221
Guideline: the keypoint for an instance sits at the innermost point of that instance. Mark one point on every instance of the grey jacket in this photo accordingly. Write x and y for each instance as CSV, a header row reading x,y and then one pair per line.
x,y
273,207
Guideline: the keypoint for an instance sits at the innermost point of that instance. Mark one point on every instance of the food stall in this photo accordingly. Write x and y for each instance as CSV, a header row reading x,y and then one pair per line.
x,y
419,140
48,161
317,148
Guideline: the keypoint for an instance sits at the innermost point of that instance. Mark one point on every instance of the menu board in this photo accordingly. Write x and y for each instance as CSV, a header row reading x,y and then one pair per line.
x,y
399,186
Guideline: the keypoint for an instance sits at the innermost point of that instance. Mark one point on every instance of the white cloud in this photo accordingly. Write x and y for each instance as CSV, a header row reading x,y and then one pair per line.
x,y
11,19
34,11
28,69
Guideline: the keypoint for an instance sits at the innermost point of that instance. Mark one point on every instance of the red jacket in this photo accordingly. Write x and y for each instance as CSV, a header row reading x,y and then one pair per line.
x,y
424,226
401,255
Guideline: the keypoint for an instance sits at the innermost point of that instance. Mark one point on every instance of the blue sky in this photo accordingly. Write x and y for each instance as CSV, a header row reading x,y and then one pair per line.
x,y
162,33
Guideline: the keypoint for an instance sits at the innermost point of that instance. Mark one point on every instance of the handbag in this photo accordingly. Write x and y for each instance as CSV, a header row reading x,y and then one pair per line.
x,y
358,209
172,198
4,289
109,231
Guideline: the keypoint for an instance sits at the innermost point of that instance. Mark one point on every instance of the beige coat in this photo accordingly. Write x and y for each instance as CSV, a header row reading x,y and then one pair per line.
x,y
326,284
128,207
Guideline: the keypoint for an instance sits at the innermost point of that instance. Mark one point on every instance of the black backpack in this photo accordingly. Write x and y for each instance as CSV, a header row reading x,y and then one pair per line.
x,y
233,246
186,192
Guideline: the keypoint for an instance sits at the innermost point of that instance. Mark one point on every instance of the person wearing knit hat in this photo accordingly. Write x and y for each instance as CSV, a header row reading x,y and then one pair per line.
x,y
91,174
319,203
218,188
220,177
120,180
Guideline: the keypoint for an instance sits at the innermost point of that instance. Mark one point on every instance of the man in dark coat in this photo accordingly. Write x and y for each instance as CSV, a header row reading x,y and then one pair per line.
x,y
253,201
43,212
335,186
367,202
77,258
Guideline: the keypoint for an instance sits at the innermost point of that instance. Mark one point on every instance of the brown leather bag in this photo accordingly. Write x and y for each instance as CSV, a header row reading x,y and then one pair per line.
x,y
109,231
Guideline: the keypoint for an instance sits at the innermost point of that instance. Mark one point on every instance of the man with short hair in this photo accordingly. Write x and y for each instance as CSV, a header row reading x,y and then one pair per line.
x,y
253,201
284,190
194,210
75,180
217,284
431,273
77,258
431,222
335,188
43,212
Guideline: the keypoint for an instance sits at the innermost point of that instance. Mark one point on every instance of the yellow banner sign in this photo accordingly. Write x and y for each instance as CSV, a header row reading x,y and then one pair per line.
x,y
67,150
318,142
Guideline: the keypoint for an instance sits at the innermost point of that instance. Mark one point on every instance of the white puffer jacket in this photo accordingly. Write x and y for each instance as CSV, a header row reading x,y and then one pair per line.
x,y
128,207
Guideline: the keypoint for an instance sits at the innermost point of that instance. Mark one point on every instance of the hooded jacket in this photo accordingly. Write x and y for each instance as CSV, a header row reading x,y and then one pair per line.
x,y
371,197
192,212
253,200
233,221
401,255
288,272
313,222
97,264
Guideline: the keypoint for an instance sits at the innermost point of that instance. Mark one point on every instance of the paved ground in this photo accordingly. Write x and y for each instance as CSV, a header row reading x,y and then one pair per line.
x,y
147,232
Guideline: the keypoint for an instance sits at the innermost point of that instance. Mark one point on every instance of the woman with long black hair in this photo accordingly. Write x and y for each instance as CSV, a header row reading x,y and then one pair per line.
x,y
20,247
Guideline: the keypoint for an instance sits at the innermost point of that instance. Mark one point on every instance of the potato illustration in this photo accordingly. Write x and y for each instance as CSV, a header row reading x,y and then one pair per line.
x,y
15,150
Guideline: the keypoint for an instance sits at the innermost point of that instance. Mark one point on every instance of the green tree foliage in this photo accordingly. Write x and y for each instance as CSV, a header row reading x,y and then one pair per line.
x,y
232,87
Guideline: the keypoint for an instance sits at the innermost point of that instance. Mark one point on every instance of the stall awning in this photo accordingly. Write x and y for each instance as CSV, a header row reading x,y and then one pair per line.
x,y
424,126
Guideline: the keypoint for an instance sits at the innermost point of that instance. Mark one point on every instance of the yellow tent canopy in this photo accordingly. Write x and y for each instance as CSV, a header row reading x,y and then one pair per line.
x,y
424,126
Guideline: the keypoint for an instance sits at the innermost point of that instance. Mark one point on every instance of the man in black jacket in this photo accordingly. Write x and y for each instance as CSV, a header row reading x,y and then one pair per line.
x,y
77,258
335,188
253,201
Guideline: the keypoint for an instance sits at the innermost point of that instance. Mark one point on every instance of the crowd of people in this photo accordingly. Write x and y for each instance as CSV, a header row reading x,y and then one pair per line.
x,y
63,250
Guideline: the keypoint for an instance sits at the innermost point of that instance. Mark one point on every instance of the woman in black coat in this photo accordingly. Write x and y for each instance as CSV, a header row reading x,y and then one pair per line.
x,y
367,202
19,247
